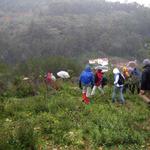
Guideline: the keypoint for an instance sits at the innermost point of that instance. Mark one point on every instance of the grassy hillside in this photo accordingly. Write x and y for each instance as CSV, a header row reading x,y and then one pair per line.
x,y
60,120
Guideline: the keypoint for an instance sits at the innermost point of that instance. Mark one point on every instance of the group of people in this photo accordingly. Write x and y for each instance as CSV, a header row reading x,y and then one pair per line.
x,y
125,79
88,80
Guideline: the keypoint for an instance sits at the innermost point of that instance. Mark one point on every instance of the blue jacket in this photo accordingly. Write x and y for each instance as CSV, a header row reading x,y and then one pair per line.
x,y
87,77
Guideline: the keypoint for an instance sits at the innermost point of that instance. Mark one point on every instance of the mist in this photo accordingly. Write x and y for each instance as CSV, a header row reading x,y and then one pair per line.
x,y
42,28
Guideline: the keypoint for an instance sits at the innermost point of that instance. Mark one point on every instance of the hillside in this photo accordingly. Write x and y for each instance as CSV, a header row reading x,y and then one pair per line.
x,y
60,120
40,28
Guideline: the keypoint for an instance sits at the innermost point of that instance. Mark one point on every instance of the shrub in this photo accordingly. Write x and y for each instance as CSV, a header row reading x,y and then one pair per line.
x,y
25,135
24,89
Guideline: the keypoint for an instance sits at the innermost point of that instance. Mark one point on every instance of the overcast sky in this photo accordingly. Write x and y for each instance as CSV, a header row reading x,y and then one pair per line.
x,y
145,2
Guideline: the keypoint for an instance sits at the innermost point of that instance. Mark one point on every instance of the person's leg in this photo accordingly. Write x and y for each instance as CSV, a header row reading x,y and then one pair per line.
x,y
94,90
100,89
121,95
114,94
125,87
138,87
133,88
88,92
84,93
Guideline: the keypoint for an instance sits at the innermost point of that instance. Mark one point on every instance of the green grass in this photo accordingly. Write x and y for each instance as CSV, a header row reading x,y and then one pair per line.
x,y
61,120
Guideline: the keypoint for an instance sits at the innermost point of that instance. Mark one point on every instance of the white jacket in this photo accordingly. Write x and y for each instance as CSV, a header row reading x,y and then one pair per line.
x,y
117,79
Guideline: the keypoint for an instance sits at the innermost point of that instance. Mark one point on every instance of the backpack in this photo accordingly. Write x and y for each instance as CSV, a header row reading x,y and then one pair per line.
x,y
104,81
121,79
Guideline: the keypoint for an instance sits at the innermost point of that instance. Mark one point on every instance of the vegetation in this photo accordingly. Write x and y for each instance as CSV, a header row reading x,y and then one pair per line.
x,y
59,119
43,35
72,28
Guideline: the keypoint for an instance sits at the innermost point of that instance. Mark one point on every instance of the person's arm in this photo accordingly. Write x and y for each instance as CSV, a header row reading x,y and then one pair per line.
x,y
143,81
80,84
95,78
92,79
116,79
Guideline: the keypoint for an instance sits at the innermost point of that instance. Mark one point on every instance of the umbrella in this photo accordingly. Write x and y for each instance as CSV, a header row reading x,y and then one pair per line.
x,y
98,67
132,64
25,78
63,74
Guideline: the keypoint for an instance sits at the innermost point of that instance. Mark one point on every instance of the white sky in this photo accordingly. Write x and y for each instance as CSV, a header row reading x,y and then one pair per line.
x,y
145,2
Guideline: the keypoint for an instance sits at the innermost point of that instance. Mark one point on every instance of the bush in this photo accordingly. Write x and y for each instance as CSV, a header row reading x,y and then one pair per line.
x,y
36,67
24,89
25,135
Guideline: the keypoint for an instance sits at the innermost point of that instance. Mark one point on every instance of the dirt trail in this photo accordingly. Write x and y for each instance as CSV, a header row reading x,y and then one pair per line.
x,y
145,98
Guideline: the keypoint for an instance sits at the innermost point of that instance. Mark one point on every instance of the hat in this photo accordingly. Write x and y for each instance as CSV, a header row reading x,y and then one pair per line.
x,y
146,62
116,71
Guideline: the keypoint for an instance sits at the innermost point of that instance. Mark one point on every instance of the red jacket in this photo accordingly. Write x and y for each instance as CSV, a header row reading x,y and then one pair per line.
x,y
98,78
48,77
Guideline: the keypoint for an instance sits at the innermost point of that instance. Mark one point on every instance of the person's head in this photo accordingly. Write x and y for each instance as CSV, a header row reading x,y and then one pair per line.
x,y
124,69
146,62
116,71
99,70
49,73
87,68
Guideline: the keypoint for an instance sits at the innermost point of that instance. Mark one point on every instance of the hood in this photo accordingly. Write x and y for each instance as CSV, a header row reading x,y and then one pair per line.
x,y
146,62
116,71
99,70
147,66
88,68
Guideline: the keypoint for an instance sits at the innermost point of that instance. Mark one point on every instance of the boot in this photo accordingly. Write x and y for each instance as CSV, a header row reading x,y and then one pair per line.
x,y
83,96
87,101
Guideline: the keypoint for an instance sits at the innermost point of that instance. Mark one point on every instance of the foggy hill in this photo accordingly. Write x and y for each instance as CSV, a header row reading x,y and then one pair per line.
x,y
41,28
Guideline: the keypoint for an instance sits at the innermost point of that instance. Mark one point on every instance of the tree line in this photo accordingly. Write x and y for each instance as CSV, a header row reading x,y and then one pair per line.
x,y
34,29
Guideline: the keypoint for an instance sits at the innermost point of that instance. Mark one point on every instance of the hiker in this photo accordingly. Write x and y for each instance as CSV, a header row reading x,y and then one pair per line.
x,y
86,82
118,85
135,80
50,80
145,80
126,74
50,77
98,82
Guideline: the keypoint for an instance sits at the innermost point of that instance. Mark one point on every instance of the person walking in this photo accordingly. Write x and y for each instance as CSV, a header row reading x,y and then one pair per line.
x,y
145,80
126,74
98,82
86,82
135,80
118,85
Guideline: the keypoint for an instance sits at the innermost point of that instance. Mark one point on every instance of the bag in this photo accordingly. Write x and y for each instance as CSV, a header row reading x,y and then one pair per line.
x,y
121,79
104,81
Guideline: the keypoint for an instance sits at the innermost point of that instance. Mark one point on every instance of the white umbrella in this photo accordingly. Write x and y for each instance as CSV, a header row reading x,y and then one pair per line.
x,y
25,78
132,64
63,74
